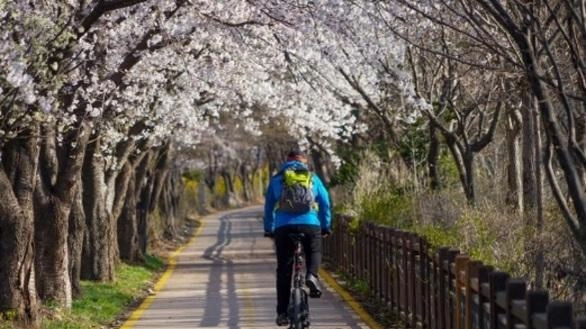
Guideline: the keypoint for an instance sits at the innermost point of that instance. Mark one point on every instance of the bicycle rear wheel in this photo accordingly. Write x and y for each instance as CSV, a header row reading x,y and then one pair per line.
x,y
297,316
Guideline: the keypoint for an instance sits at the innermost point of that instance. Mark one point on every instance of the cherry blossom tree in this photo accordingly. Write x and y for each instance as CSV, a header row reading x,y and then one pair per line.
x,y
96,95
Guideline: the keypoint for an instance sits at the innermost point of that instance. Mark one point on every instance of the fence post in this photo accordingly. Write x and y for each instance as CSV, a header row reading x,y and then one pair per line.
x,y
403,276
396,271
344,248
497,281
516,289
333,247
472,272
341,249
413,278
536,303
450,316
460,276
434,290
483,313
442,296
392,269
352,241
384,251
379,257
372,256
386,263
424,278
560,315
362,252
377,260
369,269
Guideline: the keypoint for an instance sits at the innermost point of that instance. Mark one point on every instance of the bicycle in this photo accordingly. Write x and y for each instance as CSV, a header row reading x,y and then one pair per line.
x,y
298,305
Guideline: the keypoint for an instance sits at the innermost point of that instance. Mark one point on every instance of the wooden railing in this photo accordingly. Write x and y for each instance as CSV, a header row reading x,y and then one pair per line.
x,y
441,290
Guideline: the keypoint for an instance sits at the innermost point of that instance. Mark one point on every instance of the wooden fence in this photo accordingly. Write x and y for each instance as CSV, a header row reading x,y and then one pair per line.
x,y
441,290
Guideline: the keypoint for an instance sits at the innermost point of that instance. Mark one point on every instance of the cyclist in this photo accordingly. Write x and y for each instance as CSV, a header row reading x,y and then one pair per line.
x,y
279,222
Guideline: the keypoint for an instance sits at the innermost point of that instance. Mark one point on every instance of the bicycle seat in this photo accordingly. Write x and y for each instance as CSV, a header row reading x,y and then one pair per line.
x,y
296,236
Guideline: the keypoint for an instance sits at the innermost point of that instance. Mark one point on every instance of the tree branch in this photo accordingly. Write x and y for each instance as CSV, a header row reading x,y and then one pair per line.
x,y
100,9
234,24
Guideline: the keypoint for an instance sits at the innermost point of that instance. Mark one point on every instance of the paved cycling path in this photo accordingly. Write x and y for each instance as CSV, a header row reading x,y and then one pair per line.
x,y
225,278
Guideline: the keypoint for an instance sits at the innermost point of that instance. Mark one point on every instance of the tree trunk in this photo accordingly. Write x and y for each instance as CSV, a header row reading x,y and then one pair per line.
x,y
127,222
77,231
169,203
229,198
211,172
160,179
160,174
529,158
125,203
107,190
469,185
244,174
514,197
52,252
539,253
143,214
274,158
319,166
464,160
55,193
228,182
98,254
203,199
581,137
18,295
144,192
432,157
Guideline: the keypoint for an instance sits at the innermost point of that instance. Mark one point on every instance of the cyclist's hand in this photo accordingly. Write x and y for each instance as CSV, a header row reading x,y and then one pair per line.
x,y
269,235
325,233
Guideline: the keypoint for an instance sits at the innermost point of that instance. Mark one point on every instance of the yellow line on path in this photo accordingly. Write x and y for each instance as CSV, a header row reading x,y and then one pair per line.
x,y
146,303
249,311
346,297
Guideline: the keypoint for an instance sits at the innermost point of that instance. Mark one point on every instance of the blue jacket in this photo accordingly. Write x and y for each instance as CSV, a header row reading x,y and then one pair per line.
x,y
274,218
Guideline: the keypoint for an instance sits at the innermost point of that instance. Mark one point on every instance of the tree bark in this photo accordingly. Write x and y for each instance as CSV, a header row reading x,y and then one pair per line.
x,y
98,254
514,197
529,157
469,184
169,203
18,294
127,222
144,192
52,257
77,231
539,253
320,166
245,175
54,196
581,137
160,174
432,158
128,188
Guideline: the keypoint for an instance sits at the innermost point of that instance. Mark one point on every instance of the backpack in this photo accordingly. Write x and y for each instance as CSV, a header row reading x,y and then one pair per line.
x,y
297,193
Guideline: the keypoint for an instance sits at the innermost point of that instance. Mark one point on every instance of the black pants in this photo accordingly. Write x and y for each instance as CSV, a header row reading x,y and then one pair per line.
x,y
312,245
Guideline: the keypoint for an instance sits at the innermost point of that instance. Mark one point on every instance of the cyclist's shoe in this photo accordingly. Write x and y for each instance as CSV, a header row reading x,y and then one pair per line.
x,y
313,284
282,320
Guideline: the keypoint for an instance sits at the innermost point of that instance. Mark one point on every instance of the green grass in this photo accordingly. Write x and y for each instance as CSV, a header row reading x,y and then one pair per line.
x,y
359,286
102,303
436,235
5,325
